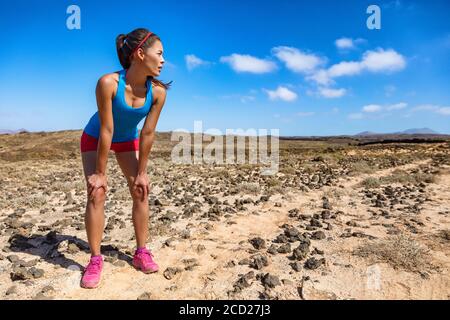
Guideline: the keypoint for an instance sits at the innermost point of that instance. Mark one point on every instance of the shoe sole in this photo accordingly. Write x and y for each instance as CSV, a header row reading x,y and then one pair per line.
x,y
96,286
146,272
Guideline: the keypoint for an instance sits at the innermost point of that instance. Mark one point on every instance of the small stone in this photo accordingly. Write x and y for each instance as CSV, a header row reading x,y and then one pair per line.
x,y
36,273
318,235
281,239
47,289
272,249
270,281
297,266
29,264
20,273
170,272
301,251
13,258
313,263
258,243
326,214
72,248
317,251
315,223
244,281
170,242
285,248
259,262
200,248
326,204
145,296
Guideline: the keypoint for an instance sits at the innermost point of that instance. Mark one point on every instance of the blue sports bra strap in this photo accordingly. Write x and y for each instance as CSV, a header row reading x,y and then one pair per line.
x,y
121,84
149,90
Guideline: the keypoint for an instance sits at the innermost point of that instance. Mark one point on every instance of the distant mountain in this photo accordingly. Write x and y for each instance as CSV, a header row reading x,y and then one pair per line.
x,y
408,131
366,133
418,131
6,131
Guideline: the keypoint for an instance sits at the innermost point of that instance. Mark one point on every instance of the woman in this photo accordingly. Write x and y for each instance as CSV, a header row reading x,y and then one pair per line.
x,y
124,98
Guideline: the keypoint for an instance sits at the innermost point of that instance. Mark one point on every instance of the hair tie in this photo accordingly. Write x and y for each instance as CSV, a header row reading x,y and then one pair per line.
x,y
141,43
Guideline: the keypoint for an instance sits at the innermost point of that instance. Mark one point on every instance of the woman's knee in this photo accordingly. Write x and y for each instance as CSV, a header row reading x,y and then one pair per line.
x,y
97,197
137,194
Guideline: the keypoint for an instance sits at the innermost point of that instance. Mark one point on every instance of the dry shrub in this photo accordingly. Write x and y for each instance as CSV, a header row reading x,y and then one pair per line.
x,y
249,188
360,167
370,183
401,176
399,251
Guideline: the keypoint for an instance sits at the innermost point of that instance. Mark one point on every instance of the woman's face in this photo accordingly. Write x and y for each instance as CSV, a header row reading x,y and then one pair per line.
x,y
153,58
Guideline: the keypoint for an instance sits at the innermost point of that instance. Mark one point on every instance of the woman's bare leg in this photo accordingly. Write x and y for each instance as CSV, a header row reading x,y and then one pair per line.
x,y
94,217
128,162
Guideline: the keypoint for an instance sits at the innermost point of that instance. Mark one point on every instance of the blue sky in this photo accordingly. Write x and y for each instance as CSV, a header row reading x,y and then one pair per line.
x,y
303,67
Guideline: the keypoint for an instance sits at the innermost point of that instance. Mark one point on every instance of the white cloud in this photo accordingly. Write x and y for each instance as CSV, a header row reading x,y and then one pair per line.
x,y
344,43
296,60
247,63
372,108
193,61
397,106
304,114
332,93
321,77
372,61
282,93
345,69
383,60
374,111
445,111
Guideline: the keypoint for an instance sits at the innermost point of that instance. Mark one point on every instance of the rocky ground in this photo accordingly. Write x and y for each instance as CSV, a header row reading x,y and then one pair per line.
x,y
339,221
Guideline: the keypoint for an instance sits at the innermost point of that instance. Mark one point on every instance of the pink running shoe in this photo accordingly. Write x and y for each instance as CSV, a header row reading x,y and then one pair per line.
x,y
92,273
143,261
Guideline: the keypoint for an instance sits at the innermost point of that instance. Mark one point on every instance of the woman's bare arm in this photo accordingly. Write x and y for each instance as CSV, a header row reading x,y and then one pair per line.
x,y
148,130
104,93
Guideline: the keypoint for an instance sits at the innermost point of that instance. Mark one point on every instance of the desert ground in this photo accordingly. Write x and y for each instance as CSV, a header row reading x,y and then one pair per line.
x,y
340,220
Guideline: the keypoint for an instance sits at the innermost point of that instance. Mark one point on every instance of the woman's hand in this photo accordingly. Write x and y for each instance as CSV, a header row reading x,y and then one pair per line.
x,y
95,182
141,182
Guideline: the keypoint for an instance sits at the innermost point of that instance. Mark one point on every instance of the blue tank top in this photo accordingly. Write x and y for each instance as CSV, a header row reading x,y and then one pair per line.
x,y
126,118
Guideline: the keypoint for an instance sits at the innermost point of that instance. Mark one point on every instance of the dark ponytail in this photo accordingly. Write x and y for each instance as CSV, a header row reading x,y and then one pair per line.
x,y
126,43
123,51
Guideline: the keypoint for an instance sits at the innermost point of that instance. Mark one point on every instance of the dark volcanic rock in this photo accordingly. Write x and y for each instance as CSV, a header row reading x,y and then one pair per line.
x,y
270,281
258,243
170,272
313,263
285,248
318,235
301,251
258,262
